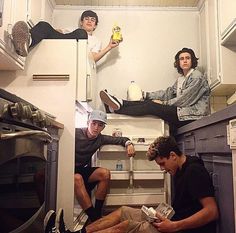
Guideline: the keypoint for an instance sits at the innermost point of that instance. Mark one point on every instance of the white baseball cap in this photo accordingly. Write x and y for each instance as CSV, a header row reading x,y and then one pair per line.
x,y
97,115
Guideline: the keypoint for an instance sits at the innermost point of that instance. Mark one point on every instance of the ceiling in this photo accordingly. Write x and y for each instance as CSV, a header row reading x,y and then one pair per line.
x,y
134,3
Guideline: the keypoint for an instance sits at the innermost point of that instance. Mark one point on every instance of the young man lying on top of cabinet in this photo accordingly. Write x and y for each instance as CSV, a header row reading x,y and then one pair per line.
x,y
194,202
25,38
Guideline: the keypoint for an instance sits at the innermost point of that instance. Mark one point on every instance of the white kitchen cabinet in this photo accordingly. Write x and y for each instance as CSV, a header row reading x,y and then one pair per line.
x,y
13,10
227,15
39,10
134,181
221,60
31,11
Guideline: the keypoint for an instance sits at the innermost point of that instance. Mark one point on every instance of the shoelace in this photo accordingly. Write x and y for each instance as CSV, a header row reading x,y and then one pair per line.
x,y
54,230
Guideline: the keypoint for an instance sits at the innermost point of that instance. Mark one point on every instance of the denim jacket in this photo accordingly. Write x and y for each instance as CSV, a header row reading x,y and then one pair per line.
x,y
194,100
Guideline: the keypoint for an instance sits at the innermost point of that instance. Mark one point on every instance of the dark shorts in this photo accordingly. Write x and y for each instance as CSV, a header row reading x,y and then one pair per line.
x,y
86,172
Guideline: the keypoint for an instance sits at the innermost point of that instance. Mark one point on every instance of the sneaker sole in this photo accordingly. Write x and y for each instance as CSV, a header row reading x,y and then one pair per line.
x,y
20,36
109,101
47,217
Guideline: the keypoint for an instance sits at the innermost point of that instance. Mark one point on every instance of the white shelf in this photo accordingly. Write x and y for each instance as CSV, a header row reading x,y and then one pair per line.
x,y
116,148
148,175
137,175
120,175
134,199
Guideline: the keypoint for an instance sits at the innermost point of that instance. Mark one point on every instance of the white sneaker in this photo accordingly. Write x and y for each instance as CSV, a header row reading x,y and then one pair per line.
x,y
21,38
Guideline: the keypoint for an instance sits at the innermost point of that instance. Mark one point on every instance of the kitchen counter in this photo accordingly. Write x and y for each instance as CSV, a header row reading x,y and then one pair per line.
x,y
223,115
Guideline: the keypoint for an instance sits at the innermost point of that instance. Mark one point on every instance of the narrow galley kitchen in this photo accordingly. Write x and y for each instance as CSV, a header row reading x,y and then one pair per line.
x,y
47,94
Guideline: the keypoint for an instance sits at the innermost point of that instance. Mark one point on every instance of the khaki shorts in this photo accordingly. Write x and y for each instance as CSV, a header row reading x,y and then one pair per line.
x,y
137,222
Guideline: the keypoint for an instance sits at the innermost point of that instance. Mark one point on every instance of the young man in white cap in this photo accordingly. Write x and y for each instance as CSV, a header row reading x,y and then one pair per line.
x,y
88,141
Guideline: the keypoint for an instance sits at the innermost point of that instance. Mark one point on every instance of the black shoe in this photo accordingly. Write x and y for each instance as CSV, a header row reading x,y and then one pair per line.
x,y
110,100
60,224
21,38
49,222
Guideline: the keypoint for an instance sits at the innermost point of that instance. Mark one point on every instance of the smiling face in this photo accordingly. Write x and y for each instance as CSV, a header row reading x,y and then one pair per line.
x,y
169,164
185,62
95,128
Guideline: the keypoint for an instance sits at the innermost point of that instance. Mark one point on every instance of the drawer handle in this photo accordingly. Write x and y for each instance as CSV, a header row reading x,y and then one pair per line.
x,y
188,141
219,136
202,139
188,134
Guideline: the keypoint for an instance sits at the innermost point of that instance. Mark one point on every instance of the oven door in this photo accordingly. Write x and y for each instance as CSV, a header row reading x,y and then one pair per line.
x,y
23,156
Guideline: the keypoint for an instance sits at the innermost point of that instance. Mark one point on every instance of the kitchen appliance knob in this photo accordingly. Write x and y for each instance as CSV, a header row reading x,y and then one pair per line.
x,y
16,110
38,116
27,112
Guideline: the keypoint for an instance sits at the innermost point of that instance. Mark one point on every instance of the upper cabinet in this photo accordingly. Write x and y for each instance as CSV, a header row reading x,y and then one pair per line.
x,y
227,17
13,10
31,11
221,59
39,10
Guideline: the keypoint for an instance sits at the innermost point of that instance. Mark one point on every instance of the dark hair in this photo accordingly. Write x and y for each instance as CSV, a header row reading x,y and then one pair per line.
x,y
162,147
194,59
89,13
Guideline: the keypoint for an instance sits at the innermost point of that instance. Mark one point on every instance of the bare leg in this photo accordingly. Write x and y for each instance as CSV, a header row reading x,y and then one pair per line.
x,y
81,192
119,228
110,223
103,176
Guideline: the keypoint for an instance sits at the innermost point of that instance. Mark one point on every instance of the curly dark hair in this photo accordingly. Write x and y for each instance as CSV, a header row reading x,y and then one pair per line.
x,y
161,147
194,59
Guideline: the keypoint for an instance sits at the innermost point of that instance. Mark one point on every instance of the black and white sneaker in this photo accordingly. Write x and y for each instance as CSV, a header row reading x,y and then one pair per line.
x,y
110,100
49,222
60,224
21,38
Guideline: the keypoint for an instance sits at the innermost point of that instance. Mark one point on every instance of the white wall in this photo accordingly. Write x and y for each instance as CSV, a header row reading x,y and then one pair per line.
x,y
152,36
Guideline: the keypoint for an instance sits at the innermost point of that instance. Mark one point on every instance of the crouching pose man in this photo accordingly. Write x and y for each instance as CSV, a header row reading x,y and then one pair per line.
x,y
194,203
87,141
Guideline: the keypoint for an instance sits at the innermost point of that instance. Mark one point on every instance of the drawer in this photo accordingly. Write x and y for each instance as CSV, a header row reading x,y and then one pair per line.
x,y
212,139
189,141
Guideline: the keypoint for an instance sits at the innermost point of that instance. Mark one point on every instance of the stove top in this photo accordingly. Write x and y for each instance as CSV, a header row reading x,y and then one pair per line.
x,y
17,111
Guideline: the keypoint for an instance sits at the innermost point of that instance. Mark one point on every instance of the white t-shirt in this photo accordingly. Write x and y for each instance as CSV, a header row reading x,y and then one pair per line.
x,y
94,44
181,81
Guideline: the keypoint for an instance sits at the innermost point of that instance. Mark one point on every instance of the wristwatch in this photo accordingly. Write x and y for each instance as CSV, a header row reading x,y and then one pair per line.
x,y
128,143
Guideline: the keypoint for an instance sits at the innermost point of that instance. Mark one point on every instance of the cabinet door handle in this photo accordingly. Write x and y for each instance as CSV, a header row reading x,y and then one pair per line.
x,y
215,180
202,139
188,134
188,141
219,136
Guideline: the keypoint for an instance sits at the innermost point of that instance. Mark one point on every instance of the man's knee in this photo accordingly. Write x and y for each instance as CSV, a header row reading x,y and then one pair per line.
x,y
105,174
44,25
79,181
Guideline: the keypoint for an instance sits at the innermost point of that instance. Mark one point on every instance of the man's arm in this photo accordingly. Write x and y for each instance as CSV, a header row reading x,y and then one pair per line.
x,y
123,141
207,214
97,56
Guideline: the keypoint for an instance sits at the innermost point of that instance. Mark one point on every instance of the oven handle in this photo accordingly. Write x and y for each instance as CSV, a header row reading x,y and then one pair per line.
x,y
40,135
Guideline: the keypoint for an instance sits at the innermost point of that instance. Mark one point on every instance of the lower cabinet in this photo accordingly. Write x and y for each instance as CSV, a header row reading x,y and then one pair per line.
x,y
210,143
220,168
